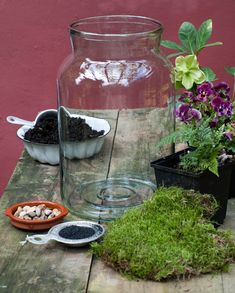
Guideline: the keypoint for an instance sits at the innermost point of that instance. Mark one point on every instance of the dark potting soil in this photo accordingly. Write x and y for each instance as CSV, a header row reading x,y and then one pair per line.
x,y
79,130
46,131
76,232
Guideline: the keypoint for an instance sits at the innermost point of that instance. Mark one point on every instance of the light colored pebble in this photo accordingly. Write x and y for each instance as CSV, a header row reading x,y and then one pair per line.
x,y
51,216
26,217
43,216
17,213
56,212
36,218
42,206
26,208
33,209
32,214
23,213
38,211
47,212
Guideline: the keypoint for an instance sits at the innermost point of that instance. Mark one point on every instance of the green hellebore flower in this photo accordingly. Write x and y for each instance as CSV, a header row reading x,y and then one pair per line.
x,y
187,71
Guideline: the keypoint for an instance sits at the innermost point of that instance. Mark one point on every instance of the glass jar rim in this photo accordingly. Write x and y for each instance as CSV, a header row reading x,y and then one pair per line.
x,y
152,25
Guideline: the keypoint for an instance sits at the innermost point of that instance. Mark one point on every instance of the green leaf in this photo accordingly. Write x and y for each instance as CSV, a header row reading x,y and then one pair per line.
x,y
178,85
230,70
172,45
175,54
213,167
209,73
232,148
204,33
188,34
170,138
213,44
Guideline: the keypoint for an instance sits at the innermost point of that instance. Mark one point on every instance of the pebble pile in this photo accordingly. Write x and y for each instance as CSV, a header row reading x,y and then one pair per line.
x,y
39,212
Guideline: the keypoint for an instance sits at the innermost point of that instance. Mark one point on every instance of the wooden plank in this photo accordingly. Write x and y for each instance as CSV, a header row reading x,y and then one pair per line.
x,y
46,268
23,186
229,223
228,280
137,135
30,172
105,280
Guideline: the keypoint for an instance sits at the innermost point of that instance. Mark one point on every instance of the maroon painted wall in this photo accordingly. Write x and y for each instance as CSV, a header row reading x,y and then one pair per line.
x,y
34,40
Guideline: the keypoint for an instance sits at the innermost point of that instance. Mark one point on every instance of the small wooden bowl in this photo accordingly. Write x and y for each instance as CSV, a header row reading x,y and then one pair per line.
x,y
36,224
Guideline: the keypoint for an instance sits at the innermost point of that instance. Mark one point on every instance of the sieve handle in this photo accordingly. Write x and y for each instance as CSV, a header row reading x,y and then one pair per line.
x,y
19,121
39,238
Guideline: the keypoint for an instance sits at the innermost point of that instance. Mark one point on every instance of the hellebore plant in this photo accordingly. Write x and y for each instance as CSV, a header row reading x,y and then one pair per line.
x,y
205,109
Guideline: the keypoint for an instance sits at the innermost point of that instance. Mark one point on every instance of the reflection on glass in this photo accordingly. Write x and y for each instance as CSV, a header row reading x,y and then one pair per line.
x,y
110,72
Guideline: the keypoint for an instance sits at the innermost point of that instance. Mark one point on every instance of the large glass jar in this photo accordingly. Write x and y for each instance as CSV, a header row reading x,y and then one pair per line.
x,y
115,104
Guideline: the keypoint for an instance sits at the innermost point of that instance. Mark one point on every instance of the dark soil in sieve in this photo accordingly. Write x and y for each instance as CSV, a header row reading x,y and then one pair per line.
x,y
46,131
76,232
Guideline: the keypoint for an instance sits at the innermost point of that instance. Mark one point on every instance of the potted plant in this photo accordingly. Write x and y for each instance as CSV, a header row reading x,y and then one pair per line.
x,y
206,116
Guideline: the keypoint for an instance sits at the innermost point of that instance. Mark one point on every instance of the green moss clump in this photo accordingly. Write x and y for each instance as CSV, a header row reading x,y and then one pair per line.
x,y
169,236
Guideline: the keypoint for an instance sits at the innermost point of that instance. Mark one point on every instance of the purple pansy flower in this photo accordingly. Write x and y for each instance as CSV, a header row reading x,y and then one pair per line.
x,y
228,135
185,113
186,97
227,120
222,89
229,108
221,107
213,122
204,91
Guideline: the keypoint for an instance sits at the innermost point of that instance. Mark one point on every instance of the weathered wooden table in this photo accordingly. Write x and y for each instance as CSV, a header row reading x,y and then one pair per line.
x,y
56,268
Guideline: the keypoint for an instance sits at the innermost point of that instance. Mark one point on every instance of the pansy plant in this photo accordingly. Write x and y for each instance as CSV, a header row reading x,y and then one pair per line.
x,y
204,107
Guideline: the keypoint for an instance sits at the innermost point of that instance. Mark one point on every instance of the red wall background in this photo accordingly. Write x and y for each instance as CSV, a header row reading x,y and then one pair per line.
x,y
34,40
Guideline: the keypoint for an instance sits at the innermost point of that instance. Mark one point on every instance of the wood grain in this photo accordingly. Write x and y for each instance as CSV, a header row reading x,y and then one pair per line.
x,y
105,280
31,268
137,135
228,279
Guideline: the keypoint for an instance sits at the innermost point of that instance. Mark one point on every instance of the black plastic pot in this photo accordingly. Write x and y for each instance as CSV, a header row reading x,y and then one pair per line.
x,y
232,184
167,174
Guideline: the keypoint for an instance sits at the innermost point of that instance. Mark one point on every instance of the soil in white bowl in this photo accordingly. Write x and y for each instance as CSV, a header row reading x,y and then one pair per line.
x,y
46,131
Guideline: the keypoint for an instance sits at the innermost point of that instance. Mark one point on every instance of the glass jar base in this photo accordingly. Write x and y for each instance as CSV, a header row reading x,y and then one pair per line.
x,y
105,200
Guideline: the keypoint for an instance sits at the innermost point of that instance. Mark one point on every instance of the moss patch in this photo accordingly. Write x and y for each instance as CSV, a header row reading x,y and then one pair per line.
x,y
169,236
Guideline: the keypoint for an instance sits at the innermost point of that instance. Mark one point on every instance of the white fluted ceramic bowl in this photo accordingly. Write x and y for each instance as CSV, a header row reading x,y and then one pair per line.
x,y
90,147
49,153
44,153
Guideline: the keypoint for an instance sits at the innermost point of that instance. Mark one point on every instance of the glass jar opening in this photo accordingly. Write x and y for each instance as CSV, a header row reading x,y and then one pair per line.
x,y
116,25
